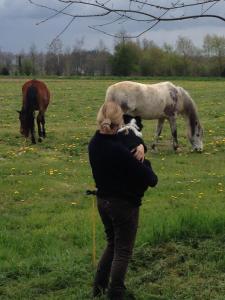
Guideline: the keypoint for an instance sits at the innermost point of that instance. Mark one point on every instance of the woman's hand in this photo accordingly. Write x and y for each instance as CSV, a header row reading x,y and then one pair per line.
x,y
139,152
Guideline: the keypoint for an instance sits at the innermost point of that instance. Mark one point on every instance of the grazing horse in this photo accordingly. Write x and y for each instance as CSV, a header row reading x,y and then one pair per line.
x,y
36,96
159,101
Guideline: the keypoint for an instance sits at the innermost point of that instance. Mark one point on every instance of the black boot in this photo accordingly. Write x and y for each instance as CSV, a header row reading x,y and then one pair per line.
x,y
129,295
120,294
116,294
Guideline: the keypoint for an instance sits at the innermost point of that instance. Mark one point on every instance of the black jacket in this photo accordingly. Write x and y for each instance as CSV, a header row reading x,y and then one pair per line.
x,y
116,172
130,140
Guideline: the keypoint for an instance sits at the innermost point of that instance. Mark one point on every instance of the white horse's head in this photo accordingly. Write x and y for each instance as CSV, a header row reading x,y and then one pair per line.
x,y
196,137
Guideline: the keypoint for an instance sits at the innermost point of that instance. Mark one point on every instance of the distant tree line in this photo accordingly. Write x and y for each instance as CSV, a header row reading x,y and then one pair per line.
x,y
139,57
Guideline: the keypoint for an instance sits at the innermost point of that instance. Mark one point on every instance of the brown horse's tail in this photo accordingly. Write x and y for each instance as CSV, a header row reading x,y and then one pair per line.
x,y
29,107
31,98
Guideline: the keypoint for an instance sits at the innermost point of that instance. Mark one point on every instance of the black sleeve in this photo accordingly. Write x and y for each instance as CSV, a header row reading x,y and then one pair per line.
x,y
140,141
138,172
131,140
147,163
145,147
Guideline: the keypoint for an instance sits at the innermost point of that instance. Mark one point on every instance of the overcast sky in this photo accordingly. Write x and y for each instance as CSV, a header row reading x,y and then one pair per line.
x,y
18,30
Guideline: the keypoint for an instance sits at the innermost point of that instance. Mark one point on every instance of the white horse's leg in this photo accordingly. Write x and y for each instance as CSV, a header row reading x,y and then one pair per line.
x,y
173,127
159,128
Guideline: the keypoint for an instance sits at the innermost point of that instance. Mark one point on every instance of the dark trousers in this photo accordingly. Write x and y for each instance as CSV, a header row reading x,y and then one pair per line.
x,y
120,221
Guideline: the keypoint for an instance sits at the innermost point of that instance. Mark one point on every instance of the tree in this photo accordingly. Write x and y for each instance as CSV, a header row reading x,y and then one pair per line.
x,y
5,71
214,48
147,14
27,66
19,66
78,57
186,49
102,59
40,63
53,63
67,63
151,59
33,56
6,62
125,60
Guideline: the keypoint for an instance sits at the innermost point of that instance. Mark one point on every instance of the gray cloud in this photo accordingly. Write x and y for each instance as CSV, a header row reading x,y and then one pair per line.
x,y
17,9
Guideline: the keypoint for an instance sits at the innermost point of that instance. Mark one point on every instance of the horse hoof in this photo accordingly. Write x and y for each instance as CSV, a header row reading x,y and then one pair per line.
x,y
39,140
175,147
178,150
154,149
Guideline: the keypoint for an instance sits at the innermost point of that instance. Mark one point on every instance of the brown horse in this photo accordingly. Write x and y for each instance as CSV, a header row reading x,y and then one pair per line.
x,y
36,96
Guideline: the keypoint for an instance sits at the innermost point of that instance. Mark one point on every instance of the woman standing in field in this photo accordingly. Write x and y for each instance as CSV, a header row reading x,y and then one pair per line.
x,y
121,181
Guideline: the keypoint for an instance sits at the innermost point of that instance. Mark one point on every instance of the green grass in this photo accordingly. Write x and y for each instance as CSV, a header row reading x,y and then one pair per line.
x,y
46,218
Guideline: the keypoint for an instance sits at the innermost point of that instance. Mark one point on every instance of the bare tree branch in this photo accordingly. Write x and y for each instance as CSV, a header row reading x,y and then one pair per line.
x,y
172,7
145,11
64,29
54,15
141,33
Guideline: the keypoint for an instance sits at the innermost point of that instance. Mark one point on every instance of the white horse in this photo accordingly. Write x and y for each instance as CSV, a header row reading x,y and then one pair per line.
x,y
159,101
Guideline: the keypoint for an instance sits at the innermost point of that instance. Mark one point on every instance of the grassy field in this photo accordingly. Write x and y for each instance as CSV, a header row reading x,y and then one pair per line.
x,y
46,218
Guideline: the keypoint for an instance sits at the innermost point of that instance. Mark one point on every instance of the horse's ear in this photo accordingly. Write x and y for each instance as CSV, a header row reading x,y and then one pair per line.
x,y
19,111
